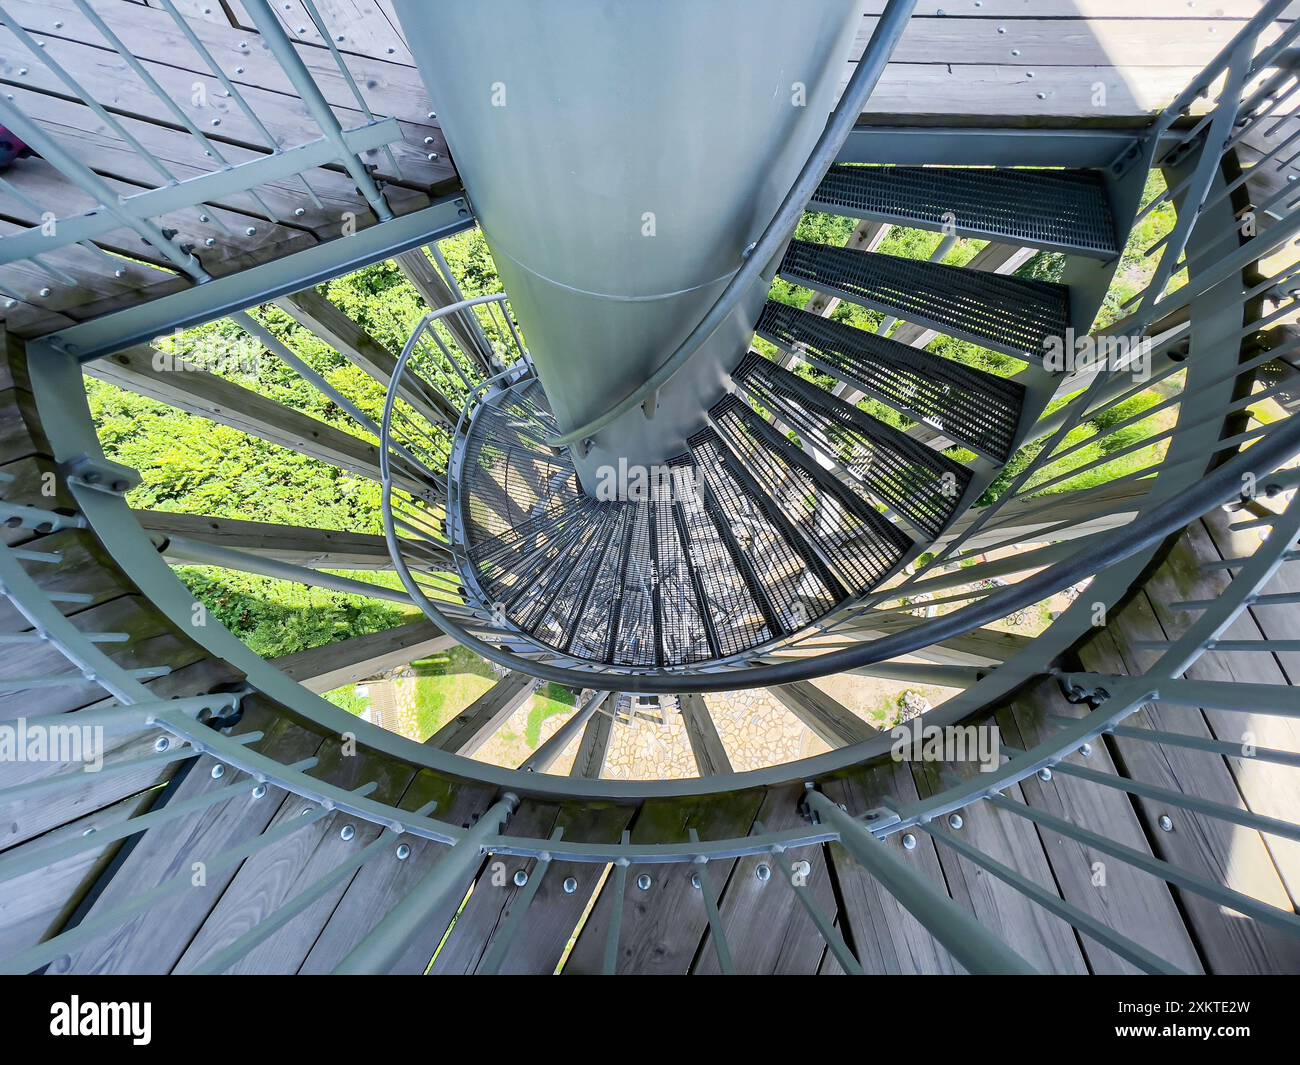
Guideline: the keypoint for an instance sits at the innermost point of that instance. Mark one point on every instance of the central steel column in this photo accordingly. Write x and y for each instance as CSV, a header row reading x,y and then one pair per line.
x,y
620,158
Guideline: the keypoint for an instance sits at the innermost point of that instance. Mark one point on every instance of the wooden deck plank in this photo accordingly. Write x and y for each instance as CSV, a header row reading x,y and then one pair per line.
x,y
662,928
768,930
1267,788
1223,853
1134,904
330,666
152,942
275,875
472,727
883,935
381,884
706,745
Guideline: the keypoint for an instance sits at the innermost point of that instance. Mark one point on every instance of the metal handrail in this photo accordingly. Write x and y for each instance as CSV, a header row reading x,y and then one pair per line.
x,y
861,85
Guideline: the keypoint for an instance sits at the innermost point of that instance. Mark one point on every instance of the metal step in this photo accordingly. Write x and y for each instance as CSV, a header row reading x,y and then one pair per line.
x,y
1057,210
921,484
1006,314
791,576
969,406
855,542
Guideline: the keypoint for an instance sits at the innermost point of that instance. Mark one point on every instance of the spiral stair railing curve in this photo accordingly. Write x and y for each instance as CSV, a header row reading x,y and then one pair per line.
x,y
1211,295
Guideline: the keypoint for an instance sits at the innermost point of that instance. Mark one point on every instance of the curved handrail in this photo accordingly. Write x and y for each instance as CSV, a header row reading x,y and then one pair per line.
x,y
861,85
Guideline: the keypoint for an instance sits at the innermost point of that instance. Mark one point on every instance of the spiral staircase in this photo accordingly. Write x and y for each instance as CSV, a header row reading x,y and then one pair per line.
x,y
821,500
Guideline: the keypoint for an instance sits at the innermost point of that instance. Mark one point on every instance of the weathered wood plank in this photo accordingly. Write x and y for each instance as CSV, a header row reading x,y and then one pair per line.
x,y
832,723
1223,853
767,928
153,941
209,396
1134,904
474,726
662,927
274,876
382,883
332,665
593,747
321,548
702,734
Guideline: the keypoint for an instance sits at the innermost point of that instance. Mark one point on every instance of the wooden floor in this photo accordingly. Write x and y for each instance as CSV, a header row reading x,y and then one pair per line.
x,y
1019,61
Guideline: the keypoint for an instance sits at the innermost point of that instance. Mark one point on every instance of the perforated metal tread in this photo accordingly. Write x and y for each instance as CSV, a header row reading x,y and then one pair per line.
x,y
1060,210
969,406
1007,314
755,541
921,484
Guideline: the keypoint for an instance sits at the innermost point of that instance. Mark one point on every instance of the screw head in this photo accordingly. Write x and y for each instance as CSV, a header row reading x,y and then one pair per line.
x,y
521,877
695,881
1045,774
570,884
909,841
347,832
1086,750
643,881
259,792
218,771
1166,823
161,743
763,872
403,851
955,821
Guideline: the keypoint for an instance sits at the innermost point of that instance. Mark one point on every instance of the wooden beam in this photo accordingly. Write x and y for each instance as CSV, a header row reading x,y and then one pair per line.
x,y
198,392
320,317
474,726
832,723
432,286
320,548
710,755
333,665
594,746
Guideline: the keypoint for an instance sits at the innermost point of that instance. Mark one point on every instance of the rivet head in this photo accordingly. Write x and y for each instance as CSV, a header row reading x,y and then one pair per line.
x,y
1166,823
909,841
259,792
570,884
643,881
403,851
955,821
347,832
1086,750
161,743
521,877
763,872
1045,774
218,771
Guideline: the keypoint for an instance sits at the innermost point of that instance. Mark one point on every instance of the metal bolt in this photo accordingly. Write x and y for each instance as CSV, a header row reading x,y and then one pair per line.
x,y
89,832
643,881
251,231
347,832
763,872
45,292
259,792
909,841
298,212
218,771
570,884
161,743
403,851
1045,774
1086,750
1166,823
695,881
211,242
955,822
521,877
